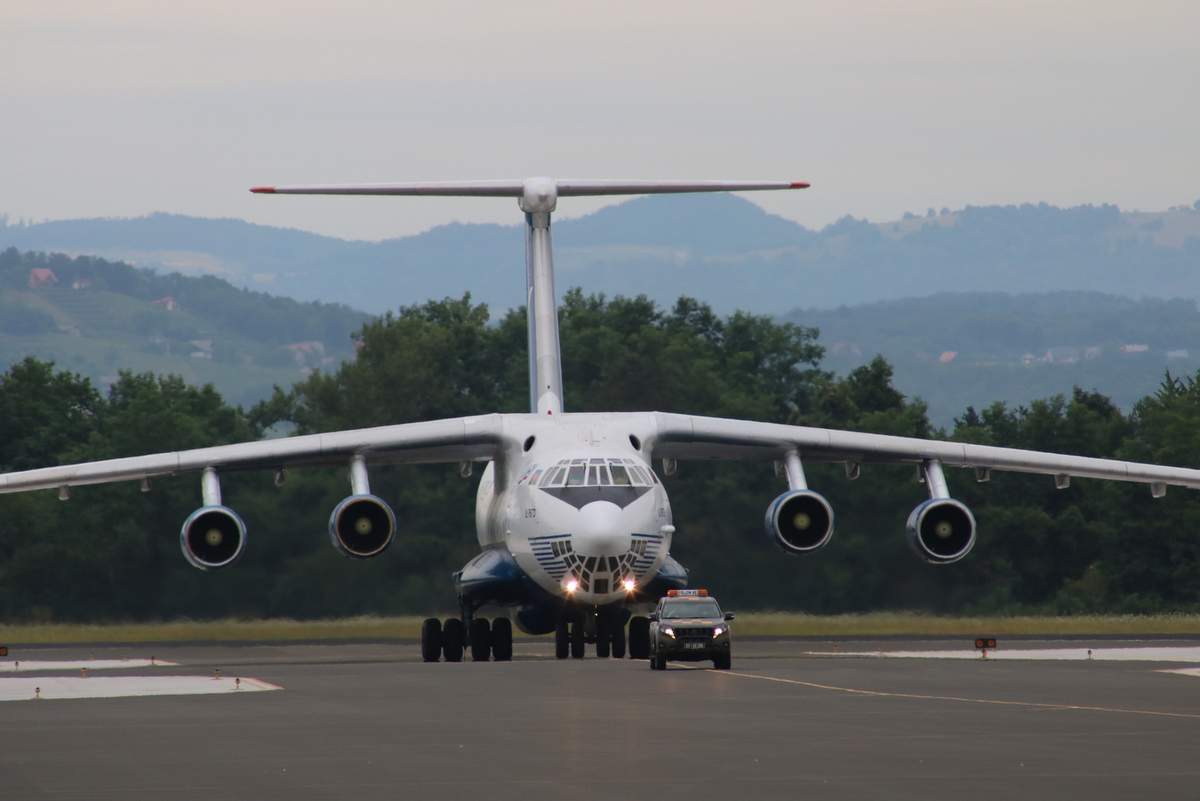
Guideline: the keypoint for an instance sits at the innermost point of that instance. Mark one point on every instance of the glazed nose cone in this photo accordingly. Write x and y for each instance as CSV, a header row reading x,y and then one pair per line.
x,y
600,530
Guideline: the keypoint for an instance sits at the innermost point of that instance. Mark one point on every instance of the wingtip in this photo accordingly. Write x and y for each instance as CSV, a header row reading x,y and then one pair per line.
x,y
263,190
800,184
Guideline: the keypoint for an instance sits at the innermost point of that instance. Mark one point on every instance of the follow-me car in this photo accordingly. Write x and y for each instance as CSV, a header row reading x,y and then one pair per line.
x,y
573,523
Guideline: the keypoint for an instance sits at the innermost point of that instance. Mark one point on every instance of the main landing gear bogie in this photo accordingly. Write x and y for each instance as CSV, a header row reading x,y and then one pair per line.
x,y
449,640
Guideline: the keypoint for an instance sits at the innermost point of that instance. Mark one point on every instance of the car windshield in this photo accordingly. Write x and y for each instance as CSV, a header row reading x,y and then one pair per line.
x,y
674,610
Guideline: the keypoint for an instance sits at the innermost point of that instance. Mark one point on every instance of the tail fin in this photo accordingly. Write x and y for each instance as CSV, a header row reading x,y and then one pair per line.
x,y
538,198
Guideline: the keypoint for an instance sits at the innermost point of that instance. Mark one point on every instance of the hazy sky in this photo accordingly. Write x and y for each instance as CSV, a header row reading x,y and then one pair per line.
x,y
123,107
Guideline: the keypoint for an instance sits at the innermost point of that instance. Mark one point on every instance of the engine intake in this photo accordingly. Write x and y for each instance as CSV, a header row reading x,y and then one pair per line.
x,y
212,537
362,526
800,521
941,531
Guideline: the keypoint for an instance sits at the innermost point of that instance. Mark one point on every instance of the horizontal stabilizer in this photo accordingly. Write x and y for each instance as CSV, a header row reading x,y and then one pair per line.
x,y
565,187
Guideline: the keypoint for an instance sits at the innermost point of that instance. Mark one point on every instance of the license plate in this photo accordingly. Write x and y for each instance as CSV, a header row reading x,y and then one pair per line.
x,y
694,646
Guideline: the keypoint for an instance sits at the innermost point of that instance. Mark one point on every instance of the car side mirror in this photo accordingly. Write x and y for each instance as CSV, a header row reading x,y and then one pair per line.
x,y
654,615
729,615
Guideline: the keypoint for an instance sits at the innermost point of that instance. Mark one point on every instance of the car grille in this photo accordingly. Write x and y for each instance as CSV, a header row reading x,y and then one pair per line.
x,y
695,633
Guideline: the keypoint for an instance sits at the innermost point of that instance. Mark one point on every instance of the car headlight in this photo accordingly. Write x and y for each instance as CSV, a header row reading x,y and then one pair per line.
x,y
719,630
670,632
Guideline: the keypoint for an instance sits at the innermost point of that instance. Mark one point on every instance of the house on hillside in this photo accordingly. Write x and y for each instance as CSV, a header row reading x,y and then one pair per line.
x,y
203,349
947,356
1061,354
1135,348
167,303
81,283
307,353
42,276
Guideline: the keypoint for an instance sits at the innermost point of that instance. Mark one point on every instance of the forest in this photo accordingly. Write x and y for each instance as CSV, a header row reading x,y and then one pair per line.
x,y
112,553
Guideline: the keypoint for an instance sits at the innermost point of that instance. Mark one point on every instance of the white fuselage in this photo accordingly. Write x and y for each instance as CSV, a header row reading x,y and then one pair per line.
x,y
579,507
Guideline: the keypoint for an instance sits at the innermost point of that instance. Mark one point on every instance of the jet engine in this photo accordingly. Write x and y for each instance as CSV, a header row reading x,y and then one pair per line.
x,y
362,526
212,537
799,521
941,531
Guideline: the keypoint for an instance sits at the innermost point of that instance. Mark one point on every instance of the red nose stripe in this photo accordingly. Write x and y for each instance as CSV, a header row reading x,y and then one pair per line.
x,y
263,190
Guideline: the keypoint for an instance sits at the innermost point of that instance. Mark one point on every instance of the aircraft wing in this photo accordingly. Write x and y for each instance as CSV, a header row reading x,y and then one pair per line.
x,y
452,440
691,437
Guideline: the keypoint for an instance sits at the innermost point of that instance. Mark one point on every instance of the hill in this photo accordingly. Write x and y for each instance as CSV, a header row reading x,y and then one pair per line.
x,y
956,350
96,317
719,248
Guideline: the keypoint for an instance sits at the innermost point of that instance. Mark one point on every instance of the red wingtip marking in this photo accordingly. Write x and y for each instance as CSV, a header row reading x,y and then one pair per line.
x,y
800,185
263,190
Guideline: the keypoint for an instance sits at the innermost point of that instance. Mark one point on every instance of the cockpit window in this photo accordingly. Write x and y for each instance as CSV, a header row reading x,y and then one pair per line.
x,y
553,478
619,476
594,473
576,476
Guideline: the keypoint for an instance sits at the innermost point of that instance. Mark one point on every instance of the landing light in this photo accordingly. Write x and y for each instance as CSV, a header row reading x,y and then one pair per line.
x,y
571,585
670,632
629,584
718,631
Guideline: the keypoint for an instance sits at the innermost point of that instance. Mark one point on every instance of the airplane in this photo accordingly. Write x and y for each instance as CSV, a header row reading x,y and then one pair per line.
x,y
573,522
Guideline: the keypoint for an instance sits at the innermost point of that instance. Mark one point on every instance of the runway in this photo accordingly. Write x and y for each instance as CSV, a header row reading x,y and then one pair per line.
x,y
793,718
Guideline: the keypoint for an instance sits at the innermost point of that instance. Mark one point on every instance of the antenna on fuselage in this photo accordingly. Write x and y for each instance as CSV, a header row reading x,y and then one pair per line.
x,y
538,198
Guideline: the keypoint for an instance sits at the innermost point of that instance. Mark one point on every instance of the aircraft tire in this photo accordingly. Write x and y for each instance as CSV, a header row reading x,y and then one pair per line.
x,y
639,638
481,639
502,639
618,641
562,640
660,662
603,638
431,639
577,638
723,662
453,634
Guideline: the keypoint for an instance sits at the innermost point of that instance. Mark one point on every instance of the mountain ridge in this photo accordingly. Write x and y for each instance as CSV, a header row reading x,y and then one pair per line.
x,y
720,248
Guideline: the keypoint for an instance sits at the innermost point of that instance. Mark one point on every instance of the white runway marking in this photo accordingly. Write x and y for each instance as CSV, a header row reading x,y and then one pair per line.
x,y
1183,671
957,698
1136,654
59,687
24,665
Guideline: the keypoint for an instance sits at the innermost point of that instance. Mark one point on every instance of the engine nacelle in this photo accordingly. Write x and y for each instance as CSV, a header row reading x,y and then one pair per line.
x,y
941,531
800,521
212,537
362,526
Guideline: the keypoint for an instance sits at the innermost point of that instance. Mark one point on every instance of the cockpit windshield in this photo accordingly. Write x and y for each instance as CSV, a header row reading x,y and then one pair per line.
x,y
676,610
611,472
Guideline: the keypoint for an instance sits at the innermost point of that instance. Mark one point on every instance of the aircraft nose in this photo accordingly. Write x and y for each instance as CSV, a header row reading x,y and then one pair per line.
x,y
601,530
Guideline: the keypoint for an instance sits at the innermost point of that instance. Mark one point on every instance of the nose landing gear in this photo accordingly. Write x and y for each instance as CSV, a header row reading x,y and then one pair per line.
x,y
603,627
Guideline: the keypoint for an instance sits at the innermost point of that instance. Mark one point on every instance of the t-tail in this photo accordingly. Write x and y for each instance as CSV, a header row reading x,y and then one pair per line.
x,y
538,198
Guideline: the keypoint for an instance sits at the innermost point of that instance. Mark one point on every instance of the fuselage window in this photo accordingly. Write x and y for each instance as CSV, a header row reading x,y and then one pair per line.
x,y
578,461
619,476
641,473
592,479
536,475
576,477
554,480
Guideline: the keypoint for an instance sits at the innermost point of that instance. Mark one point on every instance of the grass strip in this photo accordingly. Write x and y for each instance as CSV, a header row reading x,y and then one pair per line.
x,y
782,624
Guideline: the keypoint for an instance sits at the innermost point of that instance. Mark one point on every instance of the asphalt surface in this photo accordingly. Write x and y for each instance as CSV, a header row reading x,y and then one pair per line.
x,y
372,722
